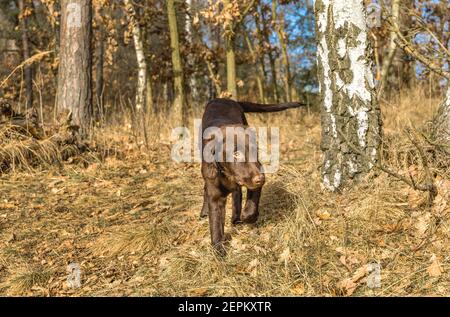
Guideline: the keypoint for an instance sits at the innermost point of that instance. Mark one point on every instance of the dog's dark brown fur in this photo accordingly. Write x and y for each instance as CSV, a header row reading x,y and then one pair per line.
x,y
223,178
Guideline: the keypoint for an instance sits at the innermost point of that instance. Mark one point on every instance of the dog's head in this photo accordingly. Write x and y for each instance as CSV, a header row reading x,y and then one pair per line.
x,y
233,152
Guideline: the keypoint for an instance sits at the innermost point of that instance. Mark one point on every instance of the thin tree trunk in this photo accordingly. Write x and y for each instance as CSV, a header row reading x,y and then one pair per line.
x,y
215,83
149,103
28,71
231,58
190,39
179,102
140,55
99,82
261,45
273,71
260,71
405,67
281,35
231,68
387,60
213,77
75,68
351,116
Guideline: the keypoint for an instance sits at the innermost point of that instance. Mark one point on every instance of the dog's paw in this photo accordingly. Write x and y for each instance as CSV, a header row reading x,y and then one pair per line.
x,y
250,219
219,250
236,221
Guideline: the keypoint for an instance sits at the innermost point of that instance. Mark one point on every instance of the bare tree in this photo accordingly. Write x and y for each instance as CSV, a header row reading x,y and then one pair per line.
x,y
75,66
140,56
392,46
179,102
350,112
260,73
28,71
278,22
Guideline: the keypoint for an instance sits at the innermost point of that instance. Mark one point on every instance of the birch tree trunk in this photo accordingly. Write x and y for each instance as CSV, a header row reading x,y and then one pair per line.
x,y
190,38
351,119
441,124
28,71
179,101
75,67
140,56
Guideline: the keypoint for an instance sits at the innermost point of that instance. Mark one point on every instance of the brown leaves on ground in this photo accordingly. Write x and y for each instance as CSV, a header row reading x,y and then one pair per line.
x,y
131,223
435,269
349,285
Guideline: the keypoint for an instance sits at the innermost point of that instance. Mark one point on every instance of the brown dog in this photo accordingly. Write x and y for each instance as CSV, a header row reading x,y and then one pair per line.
x,y
223,177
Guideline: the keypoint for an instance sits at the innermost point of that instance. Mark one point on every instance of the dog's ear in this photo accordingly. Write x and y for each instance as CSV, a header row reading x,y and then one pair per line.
x,y
209,169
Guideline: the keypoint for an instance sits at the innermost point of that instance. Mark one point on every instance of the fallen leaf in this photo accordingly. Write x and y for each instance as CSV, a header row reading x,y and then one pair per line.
x,y
440,205
325,215
416,198
298,289
435,269
349,285
202,291
422,223
253,267
7,206
285,256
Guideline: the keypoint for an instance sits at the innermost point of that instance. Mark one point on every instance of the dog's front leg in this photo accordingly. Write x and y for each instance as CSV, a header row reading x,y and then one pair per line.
x,y
216,203
237,206
251,210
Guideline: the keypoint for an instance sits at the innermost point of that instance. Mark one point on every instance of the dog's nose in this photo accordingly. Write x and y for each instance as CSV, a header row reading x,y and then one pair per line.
x,y
258,180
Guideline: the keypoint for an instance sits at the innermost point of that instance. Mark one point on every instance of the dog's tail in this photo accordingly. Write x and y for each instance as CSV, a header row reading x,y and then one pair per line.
x,y
257,107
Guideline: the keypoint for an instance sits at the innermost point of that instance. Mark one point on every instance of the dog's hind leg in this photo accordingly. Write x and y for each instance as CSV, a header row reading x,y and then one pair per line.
x,y
237,206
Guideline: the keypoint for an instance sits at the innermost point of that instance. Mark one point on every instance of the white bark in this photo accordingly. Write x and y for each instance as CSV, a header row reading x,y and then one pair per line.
x,y
139,47
347,88
189,38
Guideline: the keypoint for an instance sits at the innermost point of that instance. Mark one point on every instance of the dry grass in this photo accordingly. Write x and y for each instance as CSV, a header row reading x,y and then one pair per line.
x,y
131,222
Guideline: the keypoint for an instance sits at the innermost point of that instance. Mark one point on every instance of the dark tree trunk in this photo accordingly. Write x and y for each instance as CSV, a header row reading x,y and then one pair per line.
x,y
75,62
28,71
273,70
99,82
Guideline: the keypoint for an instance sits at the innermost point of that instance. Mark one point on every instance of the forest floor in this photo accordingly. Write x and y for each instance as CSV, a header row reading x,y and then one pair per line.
x,y
131,224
